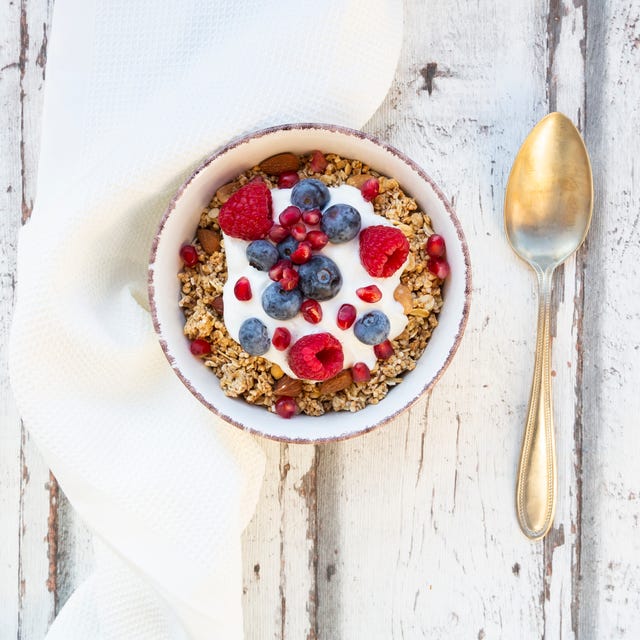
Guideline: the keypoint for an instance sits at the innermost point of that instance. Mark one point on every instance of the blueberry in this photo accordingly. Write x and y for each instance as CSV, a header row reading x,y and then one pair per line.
x,y
320,278
262,255
372,328
281,304
310,194
287,247
254,337
341,223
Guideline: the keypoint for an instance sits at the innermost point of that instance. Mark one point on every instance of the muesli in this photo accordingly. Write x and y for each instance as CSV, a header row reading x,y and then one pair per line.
x,y
313,284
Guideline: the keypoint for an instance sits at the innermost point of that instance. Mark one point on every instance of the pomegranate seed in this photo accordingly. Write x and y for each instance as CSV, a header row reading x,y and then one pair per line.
x,y
312,217
290,216
369,294
189,255
281,338
242,289
346,316
299,231
287,179
435,246
286,407
439,267
370,189
311,311
360,372
289,279
278,233
302,253
384,350
317,239
200,347
275,273
318,162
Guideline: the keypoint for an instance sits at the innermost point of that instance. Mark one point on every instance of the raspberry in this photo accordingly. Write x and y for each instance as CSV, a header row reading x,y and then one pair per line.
x,y
316,357
247,213
383,250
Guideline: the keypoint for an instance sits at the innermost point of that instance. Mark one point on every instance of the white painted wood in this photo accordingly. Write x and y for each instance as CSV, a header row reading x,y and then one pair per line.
x,y
27,497
410,531
279,548
610,593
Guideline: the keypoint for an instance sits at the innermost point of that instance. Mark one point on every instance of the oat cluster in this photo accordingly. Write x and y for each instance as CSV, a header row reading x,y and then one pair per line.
x,y
254,378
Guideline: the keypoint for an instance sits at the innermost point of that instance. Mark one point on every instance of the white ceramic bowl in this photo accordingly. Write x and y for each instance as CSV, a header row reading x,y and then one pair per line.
x,y
178,226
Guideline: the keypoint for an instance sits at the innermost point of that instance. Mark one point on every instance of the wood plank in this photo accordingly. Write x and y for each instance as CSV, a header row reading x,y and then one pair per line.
x,y
610,568
279,548
566,48
418,536
10,437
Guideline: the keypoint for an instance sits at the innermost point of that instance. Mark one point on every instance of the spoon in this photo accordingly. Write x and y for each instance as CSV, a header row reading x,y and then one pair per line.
x,y
547,212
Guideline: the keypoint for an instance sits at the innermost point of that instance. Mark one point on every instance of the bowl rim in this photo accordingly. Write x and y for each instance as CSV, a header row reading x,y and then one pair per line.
x,y
244,139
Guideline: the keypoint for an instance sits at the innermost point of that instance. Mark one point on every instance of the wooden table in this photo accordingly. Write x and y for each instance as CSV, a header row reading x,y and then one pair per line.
x,y
410,532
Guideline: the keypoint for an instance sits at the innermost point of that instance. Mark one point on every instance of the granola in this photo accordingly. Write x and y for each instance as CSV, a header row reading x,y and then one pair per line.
x,y
258,380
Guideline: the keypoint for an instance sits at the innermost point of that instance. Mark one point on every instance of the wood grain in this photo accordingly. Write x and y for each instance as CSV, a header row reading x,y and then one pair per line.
x,y
410,531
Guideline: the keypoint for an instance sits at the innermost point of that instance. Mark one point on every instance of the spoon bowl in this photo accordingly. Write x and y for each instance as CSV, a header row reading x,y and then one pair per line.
x,y
547,213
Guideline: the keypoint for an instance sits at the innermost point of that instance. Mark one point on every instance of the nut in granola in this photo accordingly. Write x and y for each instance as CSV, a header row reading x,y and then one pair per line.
x,y
209,240
287,386
339,382
279,163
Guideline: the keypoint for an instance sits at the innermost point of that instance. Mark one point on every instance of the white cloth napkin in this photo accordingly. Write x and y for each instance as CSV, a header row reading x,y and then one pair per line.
x,y
137,93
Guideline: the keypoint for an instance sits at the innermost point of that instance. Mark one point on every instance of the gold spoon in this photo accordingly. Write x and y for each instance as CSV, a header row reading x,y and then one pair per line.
x,y
547,212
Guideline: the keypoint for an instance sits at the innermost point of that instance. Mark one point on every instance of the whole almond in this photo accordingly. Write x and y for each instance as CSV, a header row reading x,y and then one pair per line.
x,y
359,180
279,163
287,386
209,240
337,383
226,191
218,305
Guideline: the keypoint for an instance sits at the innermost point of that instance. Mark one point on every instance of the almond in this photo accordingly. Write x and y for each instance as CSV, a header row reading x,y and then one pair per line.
x,y
359,180
218,305
337,383
209,240
226,191
287,386
275,165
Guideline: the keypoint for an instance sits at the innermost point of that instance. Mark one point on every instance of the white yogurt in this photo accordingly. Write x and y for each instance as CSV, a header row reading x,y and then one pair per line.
x,y
354,276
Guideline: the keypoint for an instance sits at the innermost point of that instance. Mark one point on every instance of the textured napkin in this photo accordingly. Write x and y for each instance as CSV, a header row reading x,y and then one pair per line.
x,y
137,93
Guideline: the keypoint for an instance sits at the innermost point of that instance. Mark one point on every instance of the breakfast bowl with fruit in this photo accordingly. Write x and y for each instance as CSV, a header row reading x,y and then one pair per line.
x,y
309,283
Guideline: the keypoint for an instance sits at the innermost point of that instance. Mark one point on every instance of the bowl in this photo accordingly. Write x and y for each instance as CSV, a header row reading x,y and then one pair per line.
x,y
178,226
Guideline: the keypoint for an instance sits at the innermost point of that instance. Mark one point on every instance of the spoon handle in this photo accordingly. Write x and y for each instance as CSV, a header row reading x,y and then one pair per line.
x,y
536,489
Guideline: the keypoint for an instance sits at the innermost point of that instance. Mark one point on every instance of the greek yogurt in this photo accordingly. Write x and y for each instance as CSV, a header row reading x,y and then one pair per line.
x,y
354,276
